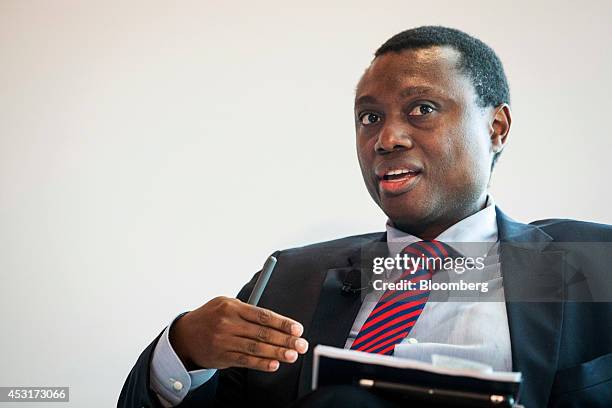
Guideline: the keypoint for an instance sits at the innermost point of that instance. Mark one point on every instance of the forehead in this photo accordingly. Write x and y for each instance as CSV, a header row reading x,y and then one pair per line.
x,y
433,67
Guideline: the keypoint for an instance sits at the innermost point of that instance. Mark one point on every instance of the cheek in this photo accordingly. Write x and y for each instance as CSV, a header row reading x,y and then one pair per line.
x,y
442,154
365,158
459,163
470,158
361,157
365,150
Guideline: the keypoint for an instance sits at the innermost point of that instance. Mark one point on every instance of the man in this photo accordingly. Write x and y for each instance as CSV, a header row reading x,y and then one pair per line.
x,y
432,116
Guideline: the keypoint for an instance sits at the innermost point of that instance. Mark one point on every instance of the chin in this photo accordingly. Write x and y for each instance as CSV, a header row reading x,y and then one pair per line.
x,y
404,214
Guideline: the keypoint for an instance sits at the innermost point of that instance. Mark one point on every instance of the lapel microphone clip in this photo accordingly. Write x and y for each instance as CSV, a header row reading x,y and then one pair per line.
x,y
352,283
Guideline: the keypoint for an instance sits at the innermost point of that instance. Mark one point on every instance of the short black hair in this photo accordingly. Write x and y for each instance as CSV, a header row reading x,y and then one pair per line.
x,y
478,60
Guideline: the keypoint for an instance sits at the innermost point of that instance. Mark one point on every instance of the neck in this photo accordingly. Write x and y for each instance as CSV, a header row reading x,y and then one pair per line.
x,y
429,230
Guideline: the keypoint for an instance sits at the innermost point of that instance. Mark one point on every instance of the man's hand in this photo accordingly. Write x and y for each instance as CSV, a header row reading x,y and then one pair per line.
x,y
226,332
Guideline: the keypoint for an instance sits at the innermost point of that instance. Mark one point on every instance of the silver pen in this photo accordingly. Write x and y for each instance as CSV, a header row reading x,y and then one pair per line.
x,y
262,281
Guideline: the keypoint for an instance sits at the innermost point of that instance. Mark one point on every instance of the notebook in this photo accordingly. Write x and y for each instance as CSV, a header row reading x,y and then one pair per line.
x,y
448,382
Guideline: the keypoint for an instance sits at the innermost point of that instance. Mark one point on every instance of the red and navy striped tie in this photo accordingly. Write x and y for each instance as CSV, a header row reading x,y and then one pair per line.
x,y
398,310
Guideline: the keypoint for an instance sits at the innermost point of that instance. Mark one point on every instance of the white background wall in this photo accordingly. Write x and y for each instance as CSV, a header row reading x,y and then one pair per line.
x,y
152,154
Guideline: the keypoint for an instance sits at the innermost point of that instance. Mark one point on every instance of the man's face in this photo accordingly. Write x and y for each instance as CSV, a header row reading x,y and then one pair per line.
x,y
423,142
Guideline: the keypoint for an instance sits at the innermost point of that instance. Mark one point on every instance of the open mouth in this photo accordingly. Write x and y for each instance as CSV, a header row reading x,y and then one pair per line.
x,y
398,181
399,175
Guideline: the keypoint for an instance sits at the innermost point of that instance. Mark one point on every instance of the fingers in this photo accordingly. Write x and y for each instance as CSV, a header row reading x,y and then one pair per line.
x,y
273,337
249,336
236,359
268,318
262,350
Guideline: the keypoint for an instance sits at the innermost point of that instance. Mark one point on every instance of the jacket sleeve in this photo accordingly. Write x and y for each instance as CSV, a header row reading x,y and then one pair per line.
x,y
136,391
225,388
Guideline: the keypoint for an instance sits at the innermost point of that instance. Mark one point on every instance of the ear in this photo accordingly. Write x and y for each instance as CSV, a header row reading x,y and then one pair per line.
x,y
501,120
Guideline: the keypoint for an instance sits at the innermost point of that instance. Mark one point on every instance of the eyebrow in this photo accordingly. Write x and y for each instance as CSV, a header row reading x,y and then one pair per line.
x,y
416,90
404,93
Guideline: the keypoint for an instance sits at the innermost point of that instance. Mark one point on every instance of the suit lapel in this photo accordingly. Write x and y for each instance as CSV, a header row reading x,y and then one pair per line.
x,y
533,289
338,307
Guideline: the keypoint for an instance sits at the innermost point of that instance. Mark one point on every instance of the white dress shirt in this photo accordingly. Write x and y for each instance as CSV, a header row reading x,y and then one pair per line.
x,y
475,329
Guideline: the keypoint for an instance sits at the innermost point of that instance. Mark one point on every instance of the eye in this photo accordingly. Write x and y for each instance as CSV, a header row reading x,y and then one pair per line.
x,y
369,118
421,110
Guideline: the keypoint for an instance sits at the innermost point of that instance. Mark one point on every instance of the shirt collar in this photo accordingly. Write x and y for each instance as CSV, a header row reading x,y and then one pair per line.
x,y
480,227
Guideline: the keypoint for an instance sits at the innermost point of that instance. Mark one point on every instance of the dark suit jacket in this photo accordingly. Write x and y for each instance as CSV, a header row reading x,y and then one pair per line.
x,y
563,348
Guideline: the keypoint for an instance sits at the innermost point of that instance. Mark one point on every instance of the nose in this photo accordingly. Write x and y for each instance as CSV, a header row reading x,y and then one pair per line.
x,y
393,137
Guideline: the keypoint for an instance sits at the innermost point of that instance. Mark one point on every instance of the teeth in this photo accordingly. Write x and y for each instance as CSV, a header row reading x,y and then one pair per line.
x,y
395,172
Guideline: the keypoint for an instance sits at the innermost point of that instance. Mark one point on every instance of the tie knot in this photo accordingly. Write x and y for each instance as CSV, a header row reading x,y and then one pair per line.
x,y
430,254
